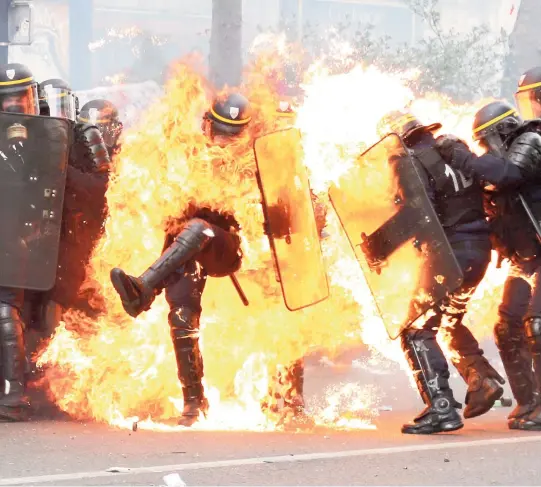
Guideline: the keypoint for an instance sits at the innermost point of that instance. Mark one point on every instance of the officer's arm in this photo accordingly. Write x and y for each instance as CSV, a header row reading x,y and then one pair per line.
x,y
497,171
522,162
88,184
494,170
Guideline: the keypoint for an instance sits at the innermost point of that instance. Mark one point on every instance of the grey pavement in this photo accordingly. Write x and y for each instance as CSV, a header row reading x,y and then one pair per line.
x,y
63,452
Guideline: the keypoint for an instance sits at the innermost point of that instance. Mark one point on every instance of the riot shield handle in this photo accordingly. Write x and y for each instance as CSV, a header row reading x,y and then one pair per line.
x,y
531,217
382,243
374,262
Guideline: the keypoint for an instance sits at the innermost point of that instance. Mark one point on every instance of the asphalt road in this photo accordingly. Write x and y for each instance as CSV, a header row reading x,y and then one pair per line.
x,y
63,452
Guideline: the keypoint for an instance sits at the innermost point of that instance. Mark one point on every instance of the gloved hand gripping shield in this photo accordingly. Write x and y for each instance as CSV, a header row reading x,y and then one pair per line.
x,y
395,233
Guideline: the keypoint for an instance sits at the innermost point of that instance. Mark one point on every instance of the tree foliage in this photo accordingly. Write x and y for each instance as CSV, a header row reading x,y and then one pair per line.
x,y
464,66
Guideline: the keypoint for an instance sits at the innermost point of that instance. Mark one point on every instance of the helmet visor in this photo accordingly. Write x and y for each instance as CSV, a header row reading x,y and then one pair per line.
x,y
493,143
528,104
61,102
110,132
23,100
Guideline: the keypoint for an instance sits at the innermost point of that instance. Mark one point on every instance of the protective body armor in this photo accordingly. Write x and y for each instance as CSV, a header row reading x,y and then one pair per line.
x,y
89,152
513,233
213,257
458,200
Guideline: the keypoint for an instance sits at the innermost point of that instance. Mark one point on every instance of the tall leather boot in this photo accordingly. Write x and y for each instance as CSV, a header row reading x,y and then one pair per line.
x,y
440,414
294,397
517,361
532,328
14,405
184,325
137,293
483,381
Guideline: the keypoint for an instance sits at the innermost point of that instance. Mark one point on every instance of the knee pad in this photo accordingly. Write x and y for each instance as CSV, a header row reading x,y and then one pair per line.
x,y
504,332
532,328
184,323
11,324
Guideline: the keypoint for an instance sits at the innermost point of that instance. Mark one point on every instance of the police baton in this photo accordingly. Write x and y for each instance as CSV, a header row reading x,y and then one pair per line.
x,y
531,216
239,290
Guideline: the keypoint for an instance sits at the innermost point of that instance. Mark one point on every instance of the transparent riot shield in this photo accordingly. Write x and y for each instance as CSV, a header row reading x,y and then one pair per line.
x,y
290,220
393,228
34,154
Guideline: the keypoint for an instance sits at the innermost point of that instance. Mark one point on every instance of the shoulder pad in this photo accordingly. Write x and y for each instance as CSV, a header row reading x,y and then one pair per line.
x,y
525,152
531,126
81,128
95,152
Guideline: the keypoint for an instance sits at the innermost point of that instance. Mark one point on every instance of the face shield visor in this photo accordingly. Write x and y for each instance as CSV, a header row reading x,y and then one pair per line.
x,y
528,104
492,143
20,100
493,138
62,103
110,131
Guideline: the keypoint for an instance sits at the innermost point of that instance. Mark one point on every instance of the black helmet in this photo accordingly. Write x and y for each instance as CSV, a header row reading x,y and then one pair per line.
x,y
104,115
404,123
528,95
494,123
60,99
229,116
18,90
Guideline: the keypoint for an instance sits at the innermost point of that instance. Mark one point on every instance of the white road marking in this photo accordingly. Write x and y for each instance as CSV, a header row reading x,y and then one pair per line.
x,y
267,460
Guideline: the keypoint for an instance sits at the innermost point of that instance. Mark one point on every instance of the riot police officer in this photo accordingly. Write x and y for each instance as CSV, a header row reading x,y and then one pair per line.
x,y
459,205
200,243
18,94
83,210
528,95
511,166
104,115
88,152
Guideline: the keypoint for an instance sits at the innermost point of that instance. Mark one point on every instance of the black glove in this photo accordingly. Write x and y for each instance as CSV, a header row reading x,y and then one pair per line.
x,y
456,153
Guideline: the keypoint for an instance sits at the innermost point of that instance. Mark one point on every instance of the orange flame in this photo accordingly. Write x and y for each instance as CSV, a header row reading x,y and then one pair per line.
x,y
118,370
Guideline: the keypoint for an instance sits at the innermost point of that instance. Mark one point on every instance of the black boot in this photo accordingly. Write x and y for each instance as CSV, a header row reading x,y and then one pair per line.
x,y
517,361
532,327
441,414
138,293
14,405
483,381
294,397
185,334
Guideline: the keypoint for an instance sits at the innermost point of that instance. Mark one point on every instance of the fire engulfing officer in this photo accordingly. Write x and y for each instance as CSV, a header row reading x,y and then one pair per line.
x,y
34,154
200,243
104,115
458,202
294,413
84,207
512,168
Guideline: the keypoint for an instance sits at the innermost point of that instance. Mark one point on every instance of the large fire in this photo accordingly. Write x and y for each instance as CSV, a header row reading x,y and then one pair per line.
x,y
115,369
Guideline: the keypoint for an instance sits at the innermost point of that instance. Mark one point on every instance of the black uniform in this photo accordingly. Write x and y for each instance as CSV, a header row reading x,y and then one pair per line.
x,y
104,115
83,214
518,330
18,94
459,204
199,243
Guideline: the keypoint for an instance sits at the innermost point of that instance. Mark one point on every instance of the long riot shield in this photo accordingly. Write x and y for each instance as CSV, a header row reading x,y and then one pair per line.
x,y
34,155
289,219
394,230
